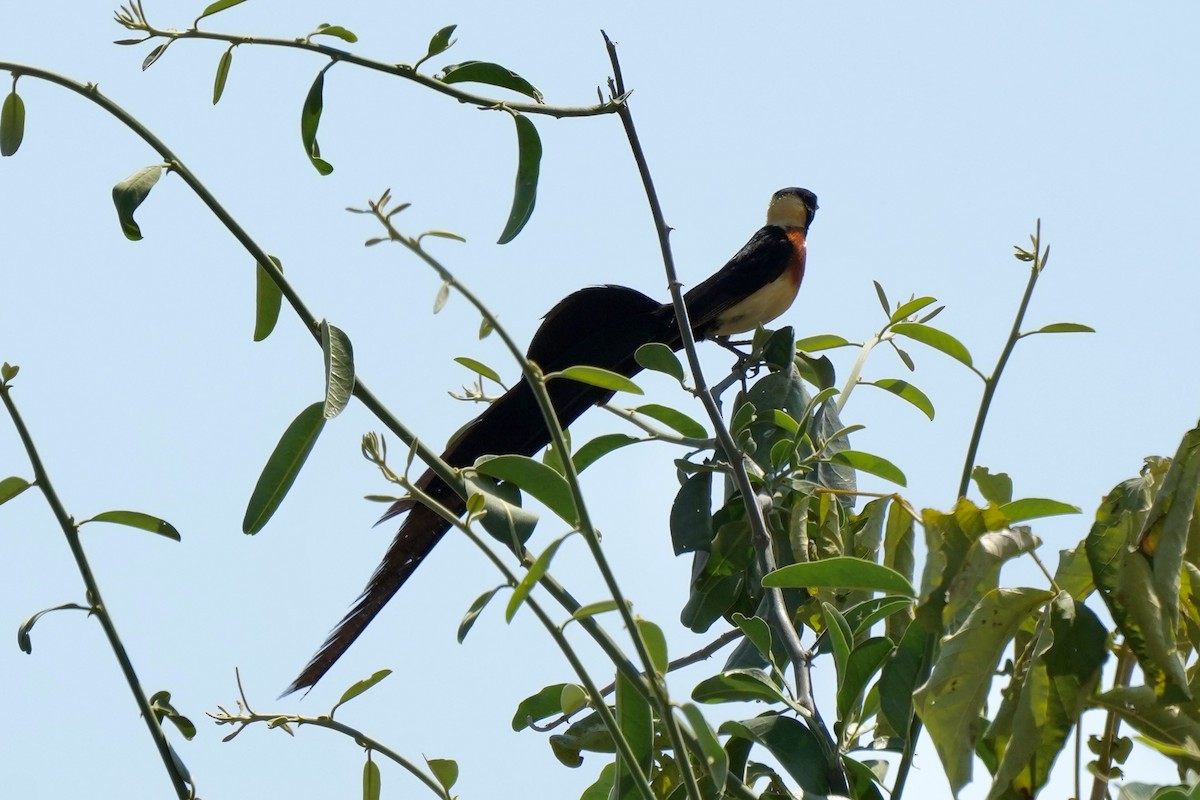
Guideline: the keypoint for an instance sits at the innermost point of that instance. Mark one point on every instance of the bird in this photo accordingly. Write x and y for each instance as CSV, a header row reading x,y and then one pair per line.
x,y
600,326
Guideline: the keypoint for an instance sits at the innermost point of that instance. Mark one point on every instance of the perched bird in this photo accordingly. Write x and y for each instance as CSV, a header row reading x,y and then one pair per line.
x,y
601,326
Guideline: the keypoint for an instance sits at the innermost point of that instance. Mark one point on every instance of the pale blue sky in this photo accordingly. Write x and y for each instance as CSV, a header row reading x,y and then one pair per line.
x,y
935,136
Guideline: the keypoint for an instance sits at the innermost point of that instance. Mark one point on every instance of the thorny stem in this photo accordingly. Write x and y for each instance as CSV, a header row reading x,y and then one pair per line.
x,y
801,656
94,599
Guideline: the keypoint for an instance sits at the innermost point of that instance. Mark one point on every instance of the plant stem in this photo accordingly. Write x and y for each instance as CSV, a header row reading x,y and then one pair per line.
x,y
94,598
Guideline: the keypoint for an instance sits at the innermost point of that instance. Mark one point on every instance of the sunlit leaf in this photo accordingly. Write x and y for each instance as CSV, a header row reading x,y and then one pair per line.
x,y
283,466
596,376
1062,327
823,341
222,74
682,423
136,519
213,8
907,391
358,687
439,43
906,310
843,572
372,781
468,620
871,464
129,194
545,703
479,368
11,487
491,74
937,339
12,124
529,164
268,300
1036,507
599,447
336,30
994,488
540,565
445,770
660,358
310,120
339,368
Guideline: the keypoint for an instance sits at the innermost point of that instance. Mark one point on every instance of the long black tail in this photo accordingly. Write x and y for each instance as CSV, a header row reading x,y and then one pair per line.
x,y
600,326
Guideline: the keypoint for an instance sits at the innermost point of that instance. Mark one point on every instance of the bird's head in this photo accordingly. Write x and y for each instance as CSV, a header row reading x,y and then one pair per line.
x,y
792,208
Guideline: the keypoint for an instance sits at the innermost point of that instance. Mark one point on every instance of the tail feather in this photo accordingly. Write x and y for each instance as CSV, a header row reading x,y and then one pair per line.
x,y
601,326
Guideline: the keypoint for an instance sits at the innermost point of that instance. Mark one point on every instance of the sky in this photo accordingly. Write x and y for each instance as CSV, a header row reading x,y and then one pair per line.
x,y
935,137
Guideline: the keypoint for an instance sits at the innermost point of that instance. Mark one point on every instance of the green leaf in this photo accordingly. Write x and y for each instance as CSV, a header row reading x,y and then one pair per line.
x,y
358,687
716,760
937,339
738,685
535,573
371,779
283,466
883,301
636,722
822,341
339,368
599,447
658,357
529,164
691,515
592,609
445,770
865,660
596,376
757,630
792,743
1036,507
952,699
677,420
994,488
905,390
310,119
841,572
8,372
268,300
840,638
468,620
443,294
1167,723
11,487
906,310
861,617
980,569
160,704
440,42
222,74
129,194
12,124
155,55
325,29
136,519
656,644
479,368
24,641
545,703
1062,327
491,74
213,8
534,478
574,697
871,464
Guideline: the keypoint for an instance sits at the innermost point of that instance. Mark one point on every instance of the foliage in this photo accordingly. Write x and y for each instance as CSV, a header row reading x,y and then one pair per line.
x,y
785,555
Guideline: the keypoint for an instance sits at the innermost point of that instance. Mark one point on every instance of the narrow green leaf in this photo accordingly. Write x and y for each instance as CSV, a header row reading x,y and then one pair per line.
x,y
222,74
336,30
213,8
1036,507
136,519
445,770
865,660
599,447
906,310
440,42
529,164
841,572
822,341
339,368
485,328
310,120
716,760
372,781
1062,327
883,301
155,54
658,357
442,235
534,478
656,644
358,687
738,685
12,124
905,390
792,743
545,703
840,638
540,565
11,487
491,74
592,609
479,368
596,376
283,466
468,620
129,194
443,294
861,617
871,464
636,721
268,300
24,640
937,339
680,422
